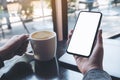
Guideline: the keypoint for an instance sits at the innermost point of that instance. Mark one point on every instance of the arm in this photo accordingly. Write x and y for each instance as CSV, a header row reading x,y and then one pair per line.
x,y
1,63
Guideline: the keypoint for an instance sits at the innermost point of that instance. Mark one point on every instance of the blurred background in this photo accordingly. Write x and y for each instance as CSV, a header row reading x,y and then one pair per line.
x,y
17,15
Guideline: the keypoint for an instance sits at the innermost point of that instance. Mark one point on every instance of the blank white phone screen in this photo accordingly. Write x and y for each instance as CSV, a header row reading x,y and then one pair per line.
x,y
84,33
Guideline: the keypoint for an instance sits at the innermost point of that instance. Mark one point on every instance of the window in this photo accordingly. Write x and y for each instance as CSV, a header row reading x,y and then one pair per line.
x,y
37,15
110,22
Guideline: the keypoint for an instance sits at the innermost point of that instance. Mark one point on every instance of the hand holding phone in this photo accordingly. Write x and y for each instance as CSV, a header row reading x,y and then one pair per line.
x,y
84,33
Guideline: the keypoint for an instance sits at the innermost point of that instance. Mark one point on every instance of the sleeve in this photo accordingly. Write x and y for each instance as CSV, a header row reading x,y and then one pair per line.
x,y
97,74
1,63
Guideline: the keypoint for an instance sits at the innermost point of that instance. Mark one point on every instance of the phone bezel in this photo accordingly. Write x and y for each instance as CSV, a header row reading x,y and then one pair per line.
x,y
94,37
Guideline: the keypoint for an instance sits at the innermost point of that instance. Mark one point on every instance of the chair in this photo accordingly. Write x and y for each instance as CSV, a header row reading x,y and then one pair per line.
x,y
25,12
89,4
106,8
116,2
71,8
2,31
4,13
17,11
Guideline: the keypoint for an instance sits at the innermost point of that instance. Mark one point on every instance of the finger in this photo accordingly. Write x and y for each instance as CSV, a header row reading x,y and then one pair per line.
x,y
69,36
99,38
98,49
71,31
23,48
78,58
23,37
75,56
17,39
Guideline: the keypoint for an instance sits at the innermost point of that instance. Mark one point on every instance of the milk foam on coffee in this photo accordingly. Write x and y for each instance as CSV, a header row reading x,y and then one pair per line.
x,y
42,35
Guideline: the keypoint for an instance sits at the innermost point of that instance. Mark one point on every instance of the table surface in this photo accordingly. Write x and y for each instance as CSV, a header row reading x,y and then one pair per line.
x,y
49,70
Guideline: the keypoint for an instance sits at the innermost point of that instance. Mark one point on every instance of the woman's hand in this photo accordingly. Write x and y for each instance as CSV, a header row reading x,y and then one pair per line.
x,y
17,45
95,60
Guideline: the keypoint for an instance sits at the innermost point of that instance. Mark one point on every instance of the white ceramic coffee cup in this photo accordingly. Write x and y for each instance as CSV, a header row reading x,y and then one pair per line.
x,y
43,44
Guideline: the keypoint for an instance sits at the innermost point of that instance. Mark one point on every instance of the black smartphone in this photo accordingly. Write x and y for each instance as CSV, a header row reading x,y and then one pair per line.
x,y
85,33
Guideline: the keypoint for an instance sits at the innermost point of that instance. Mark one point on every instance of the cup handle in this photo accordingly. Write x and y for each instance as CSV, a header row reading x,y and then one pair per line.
x,y
29,56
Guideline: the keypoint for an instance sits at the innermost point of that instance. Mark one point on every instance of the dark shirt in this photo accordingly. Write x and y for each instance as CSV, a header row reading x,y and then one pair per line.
x,y
1,63
97,74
